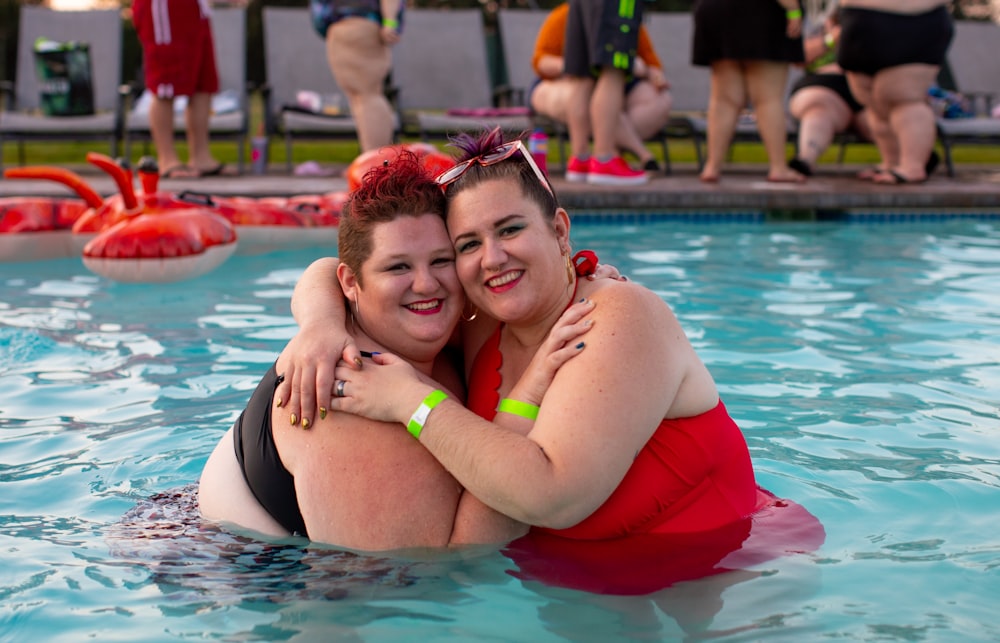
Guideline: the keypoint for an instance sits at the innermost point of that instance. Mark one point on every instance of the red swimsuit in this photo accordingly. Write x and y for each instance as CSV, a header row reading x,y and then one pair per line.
x,y
688,507
694,474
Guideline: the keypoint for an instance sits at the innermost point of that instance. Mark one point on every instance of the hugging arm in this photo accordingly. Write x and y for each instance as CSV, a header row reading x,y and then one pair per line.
x,y
475,521
310,357
318,305
601,408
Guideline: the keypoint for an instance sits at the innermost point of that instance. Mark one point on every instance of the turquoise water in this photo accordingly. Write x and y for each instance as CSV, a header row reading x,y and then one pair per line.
x,y
863,363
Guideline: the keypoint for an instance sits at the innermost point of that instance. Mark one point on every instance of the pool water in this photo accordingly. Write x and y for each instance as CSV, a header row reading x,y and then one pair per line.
x,y
862,362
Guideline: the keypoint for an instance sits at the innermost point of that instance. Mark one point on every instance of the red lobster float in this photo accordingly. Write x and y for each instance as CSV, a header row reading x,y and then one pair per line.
x,y
156,236
135,240
153,236
33,229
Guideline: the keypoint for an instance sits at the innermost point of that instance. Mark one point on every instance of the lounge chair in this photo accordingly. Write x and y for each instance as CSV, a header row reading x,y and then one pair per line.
x,y
518,29
295,59
21,121
973,66
231,120
442,80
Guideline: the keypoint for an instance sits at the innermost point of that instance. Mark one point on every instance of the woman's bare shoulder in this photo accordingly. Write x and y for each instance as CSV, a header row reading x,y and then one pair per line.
x,y
625,297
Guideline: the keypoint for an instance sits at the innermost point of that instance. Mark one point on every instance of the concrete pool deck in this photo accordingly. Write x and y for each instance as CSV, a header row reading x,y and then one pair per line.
x,y
833,189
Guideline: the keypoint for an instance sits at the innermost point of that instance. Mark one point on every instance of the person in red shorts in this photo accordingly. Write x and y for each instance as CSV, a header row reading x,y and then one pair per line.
x,y
179,58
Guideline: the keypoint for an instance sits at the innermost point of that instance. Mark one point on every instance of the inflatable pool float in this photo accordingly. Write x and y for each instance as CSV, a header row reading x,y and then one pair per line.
x,y
35,229
266,225
117,238
155,238
429,156
161,246
141,238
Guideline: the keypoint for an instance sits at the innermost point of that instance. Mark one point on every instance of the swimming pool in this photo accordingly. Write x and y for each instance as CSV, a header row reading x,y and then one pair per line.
x,y
862,361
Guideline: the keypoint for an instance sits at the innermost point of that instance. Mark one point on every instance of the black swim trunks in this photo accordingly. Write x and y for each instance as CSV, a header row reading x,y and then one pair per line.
x,y
269,480
601,33
872,40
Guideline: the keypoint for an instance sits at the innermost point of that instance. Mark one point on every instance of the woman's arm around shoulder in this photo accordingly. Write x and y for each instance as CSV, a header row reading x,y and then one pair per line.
x,y
600,410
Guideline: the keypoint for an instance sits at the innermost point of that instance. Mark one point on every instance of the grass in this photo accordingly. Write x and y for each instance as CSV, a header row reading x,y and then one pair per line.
x,y
343,152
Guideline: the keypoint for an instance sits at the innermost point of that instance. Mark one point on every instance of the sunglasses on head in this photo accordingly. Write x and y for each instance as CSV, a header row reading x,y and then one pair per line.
x,y
496,155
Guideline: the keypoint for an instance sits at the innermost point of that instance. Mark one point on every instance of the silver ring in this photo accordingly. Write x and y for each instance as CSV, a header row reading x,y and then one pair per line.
x,y
338,389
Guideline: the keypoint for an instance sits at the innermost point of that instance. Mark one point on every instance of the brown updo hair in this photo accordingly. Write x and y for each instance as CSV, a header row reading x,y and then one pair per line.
x,y
471,146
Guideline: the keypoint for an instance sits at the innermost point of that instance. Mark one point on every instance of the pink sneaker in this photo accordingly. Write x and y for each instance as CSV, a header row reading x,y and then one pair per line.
x,y
614,172
577,170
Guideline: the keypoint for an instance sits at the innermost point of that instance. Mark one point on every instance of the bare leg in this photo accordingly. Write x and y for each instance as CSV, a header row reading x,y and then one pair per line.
x,y
197,114
648,109
885,141
161,128
606,105
627,139
766,86
578,115
646,113
911,120
822,114
878,120
551,98
726,100
360,62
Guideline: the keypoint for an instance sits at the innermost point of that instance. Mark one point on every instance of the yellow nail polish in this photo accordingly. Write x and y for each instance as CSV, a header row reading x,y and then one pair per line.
x,y
293,420
305,423
279,403
322,412
357,360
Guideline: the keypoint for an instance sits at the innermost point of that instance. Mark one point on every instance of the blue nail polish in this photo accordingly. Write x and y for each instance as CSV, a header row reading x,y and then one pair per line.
x,y
580,345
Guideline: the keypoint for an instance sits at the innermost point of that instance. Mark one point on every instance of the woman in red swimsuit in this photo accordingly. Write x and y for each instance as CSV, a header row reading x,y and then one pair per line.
x,y
629,441
630,437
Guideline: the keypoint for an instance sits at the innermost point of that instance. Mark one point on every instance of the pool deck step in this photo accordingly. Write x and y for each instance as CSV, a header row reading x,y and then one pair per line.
x,y
741,189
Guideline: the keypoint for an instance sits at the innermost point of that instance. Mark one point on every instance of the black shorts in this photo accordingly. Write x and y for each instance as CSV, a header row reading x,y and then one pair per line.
x,y
750,30
872,40
601,33
834,82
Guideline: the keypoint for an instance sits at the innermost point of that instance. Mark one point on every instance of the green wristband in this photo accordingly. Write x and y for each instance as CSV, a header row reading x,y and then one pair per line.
x,y
416,423
391,23
793,14
515,407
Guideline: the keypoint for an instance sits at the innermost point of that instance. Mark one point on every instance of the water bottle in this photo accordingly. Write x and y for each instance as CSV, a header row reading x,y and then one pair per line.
x,y
258,154
538,146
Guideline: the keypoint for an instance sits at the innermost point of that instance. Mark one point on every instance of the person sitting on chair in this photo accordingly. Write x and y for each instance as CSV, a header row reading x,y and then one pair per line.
x,y
822,101
647,95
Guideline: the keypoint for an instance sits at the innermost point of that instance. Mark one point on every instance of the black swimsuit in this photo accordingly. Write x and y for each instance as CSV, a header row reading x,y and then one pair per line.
x,y
835,82
269,480
872,40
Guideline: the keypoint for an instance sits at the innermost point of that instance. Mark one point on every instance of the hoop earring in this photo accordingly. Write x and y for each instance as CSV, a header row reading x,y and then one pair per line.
x,y
357,312
473,316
